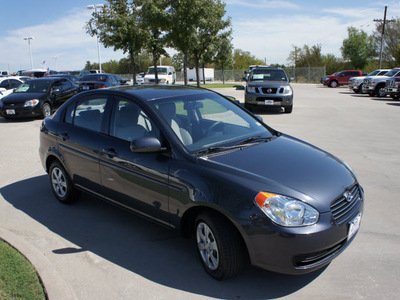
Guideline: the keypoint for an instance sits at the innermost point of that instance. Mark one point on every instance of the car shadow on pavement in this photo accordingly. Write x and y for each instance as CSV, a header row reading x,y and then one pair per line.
x,y
140,246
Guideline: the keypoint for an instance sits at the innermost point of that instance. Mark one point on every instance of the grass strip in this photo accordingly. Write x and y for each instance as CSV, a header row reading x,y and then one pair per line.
x,y
18,278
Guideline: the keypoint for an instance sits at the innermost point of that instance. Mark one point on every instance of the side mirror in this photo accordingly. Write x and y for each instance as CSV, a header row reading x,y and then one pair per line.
x,y
291,79
245,72
146,144
170,73
233,99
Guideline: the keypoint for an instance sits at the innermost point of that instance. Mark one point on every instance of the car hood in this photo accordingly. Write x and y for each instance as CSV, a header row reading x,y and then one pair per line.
x,y
270,84
22,97
290,167
378,77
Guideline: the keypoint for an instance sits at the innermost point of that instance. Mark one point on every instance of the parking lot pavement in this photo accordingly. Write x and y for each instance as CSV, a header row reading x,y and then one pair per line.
x,y
92,250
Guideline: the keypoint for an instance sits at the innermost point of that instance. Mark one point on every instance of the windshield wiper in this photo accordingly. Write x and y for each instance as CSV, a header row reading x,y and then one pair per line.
x,y
211,150
254,139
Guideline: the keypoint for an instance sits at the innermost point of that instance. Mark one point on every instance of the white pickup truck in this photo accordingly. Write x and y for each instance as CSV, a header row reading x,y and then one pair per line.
x,y
375,85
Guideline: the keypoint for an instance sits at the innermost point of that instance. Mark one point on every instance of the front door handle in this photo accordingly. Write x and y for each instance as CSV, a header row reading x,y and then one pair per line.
x,y
110,152
65,136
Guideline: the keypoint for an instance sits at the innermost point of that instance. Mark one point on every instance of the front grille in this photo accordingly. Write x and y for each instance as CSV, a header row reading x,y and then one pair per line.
x,y
344,207
269,90
13,105
390,83
313,259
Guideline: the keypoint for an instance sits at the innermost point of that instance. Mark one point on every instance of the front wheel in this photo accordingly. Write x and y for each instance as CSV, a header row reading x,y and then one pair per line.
x,y
46,110
288,109
61,184
380,91
219,246
334,84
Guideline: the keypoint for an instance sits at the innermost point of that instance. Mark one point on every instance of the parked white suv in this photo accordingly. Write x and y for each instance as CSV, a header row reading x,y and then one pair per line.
x,y
166,75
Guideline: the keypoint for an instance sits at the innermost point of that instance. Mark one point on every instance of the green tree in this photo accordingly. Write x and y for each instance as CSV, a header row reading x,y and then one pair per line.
x,y
243,59
117,25
358,48
154,19
223,56
391,42
306,56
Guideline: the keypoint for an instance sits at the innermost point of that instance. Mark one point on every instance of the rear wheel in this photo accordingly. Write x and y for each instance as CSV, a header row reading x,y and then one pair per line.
x,y
219,246
61,184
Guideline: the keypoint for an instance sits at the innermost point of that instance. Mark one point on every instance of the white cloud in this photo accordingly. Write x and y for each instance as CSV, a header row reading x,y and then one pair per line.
x,y
65,38
265,4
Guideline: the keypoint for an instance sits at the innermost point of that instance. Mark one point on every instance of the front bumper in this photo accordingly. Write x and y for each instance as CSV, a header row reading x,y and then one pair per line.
x,y
277,100
20,112
300,250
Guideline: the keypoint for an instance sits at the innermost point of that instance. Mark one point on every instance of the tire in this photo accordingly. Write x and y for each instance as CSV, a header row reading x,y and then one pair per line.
x,y
46,110
248,107
288,109
61,184
219,246
380,91
333,84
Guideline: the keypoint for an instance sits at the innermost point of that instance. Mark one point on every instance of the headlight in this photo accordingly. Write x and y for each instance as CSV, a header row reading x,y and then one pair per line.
x,y
286,211
287,90
251,89
31,103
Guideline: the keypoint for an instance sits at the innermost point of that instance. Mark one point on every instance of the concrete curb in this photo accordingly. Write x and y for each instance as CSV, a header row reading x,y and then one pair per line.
x,y
55,286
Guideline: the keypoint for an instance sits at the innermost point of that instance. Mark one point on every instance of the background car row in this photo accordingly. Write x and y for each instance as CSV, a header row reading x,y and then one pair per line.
x,y
40,97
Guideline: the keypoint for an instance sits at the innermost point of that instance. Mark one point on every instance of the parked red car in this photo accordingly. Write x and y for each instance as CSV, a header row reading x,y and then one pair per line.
x,y
341,78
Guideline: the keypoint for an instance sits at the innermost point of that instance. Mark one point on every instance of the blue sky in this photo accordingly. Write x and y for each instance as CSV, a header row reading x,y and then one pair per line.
x,y
267,29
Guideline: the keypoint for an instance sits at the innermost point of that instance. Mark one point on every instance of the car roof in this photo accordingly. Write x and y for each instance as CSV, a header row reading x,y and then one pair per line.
x,y
155,92
45,79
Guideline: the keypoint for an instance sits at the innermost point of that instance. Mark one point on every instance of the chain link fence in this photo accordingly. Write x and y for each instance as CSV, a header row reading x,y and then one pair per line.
x,y
300,75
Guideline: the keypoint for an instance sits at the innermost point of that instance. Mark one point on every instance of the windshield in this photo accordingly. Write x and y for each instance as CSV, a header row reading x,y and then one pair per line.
x,y
160,70
374,73
268,75
209,120
34,86
392,72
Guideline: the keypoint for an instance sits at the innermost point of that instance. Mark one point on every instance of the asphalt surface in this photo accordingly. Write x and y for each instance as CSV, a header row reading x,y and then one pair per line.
x,y
92,250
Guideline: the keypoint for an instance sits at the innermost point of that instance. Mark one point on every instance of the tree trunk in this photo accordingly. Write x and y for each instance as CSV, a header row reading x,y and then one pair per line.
x,y
155,68
133,66
185,59
197,59
204,75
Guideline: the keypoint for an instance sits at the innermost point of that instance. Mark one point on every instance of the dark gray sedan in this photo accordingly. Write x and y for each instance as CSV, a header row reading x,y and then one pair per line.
x,y
198,162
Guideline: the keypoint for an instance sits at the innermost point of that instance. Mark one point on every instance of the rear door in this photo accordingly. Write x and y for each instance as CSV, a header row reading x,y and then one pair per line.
x,y
80,139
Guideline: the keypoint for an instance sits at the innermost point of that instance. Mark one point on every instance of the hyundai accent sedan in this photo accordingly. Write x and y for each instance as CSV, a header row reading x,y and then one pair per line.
x,y
196,161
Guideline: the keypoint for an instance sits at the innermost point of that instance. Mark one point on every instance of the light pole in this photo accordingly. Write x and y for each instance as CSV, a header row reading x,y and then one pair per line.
x,y
55,58
29,38
95,7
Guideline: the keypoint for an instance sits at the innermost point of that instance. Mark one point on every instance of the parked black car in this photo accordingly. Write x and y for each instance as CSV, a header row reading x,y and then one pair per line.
x,y
196,161
99,81
37,97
